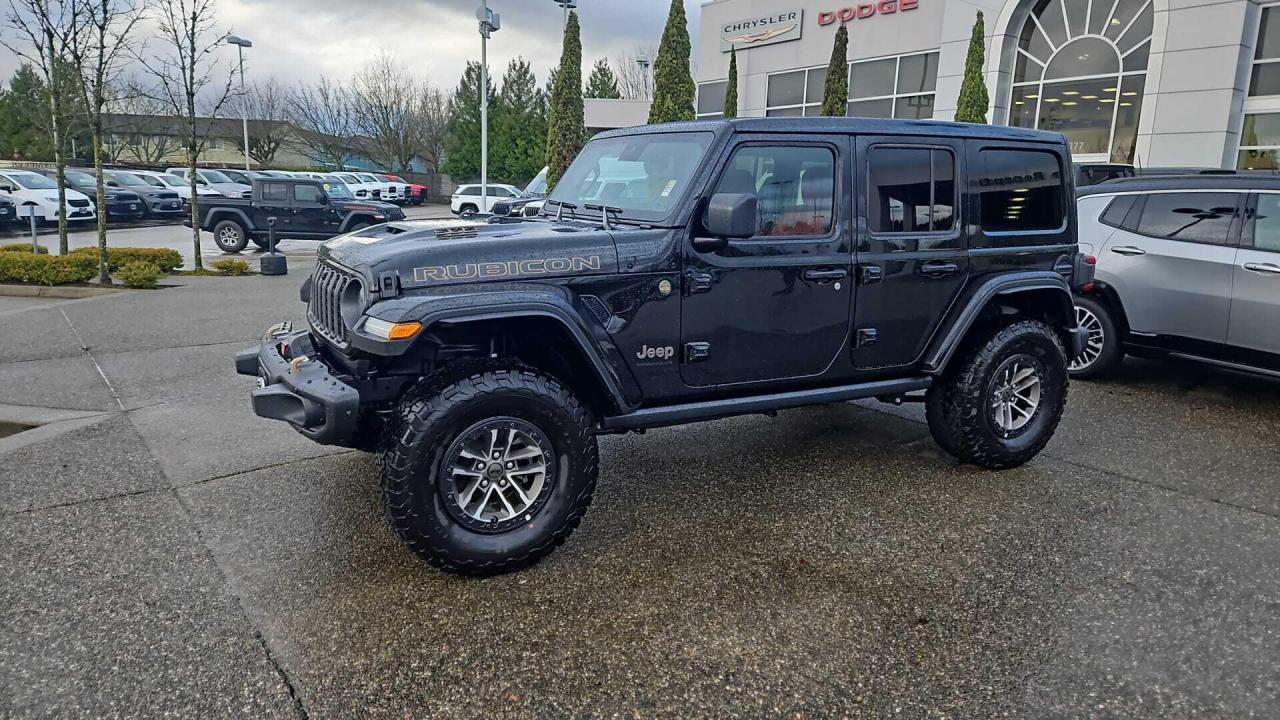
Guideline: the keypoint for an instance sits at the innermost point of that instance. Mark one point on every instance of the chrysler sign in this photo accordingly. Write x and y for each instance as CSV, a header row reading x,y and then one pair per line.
x,y
764,30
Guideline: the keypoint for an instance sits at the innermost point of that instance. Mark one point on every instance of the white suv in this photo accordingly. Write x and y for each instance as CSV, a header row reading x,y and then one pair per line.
x,y
26,188
168,181
466,200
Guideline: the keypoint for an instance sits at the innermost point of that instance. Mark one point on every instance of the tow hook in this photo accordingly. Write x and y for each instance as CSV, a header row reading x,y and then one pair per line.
x,y
294,363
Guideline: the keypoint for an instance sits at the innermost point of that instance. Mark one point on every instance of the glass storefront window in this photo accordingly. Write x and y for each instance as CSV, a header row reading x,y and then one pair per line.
x,y
785,89
872,79
711,99
889,87
872,108
1081,70
1260,142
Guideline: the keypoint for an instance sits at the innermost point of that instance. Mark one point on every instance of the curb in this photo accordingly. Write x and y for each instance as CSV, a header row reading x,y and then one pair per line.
x,y
67,293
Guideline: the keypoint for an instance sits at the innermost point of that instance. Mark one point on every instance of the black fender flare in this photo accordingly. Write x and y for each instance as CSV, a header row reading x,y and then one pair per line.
x,y
356,216
218,214
459,305
969,307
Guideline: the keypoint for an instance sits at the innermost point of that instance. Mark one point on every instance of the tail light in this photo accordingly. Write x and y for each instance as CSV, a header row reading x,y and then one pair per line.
x,y
1090,260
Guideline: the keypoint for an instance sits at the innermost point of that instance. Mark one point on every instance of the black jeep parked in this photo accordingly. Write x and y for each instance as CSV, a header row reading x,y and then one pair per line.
x,y
678,273
303,208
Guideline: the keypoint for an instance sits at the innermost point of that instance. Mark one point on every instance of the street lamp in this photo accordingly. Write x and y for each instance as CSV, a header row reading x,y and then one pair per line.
x,y
490,22
241,44
567,5
644,63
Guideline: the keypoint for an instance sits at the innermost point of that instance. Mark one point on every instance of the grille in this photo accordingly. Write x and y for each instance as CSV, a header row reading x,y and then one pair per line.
x,y
168,196
78,203
325,310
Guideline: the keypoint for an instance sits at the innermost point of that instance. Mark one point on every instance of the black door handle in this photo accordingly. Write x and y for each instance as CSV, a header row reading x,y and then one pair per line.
x,y
833,274
938,268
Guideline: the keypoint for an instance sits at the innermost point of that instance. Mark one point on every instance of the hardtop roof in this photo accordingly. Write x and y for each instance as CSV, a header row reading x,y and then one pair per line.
x,y
846,125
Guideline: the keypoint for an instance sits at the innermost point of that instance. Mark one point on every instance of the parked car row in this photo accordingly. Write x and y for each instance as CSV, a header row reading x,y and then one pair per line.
x,y
500,199
363,185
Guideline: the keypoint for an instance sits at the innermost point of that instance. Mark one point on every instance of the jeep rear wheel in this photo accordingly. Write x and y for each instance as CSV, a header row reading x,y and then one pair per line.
x,y
489,470
999,403
229,236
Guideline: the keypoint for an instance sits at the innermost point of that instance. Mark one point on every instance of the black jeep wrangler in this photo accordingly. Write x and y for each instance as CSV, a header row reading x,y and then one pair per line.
x,y
679,273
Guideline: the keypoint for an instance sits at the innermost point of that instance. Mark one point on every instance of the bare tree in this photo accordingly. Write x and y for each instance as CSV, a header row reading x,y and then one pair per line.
x,y
386,99
324,115
100,41
184,72
266,104
44,28
135,128
634,72
431,125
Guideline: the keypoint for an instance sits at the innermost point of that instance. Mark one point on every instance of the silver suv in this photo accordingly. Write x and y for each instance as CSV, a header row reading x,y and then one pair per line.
x,y
1187,267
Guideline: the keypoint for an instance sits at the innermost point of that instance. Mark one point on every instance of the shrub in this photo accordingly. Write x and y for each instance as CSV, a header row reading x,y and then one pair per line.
x,y
24,247
164,259
230,266
141,275
46,269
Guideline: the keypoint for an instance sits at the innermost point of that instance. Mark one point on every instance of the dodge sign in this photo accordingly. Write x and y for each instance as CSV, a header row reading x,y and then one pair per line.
x,y
776,27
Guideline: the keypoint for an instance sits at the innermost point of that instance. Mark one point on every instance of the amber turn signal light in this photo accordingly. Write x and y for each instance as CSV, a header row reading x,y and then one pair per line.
x,y
391,331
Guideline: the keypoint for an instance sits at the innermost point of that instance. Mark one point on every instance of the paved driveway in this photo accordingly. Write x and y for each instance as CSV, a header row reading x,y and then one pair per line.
x,y
168,554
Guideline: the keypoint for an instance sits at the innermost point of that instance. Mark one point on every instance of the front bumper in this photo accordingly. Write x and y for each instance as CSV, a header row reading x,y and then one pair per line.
x,y
295,385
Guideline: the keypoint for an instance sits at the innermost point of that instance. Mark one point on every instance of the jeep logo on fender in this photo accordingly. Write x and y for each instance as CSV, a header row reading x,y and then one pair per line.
x,y
508,268
862,11
656,353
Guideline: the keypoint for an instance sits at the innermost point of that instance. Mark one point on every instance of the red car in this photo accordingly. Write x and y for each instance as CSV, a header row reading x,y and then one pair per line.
x,y
415,194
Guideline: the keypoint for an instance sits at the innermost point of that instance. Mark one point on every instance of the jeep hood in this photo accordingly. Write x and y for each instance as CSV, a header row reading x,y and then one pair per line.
x,y
433,253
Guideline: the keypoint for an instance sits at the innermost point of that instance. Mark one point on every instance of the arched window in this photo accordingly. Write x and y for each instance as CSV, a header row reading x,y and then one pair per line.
x,y
1081,69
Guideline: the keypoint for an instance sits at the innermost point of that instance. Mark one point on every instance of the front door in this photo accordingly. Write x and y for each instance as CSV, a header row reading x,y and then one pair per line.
x,y
1172,263
1255,296
912,254
775,305
311,214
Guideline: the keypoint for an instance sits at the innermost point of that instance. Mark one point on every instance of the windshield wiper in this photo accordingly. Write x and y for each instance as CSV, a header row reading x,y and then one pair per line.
x,y
560,210
604,212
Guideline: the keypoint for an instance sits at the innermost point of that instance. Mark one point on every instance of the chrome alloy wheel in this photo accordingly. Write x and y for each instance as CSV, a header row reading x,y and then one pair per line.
x,y
228,236
498,474
1094,342
1015,396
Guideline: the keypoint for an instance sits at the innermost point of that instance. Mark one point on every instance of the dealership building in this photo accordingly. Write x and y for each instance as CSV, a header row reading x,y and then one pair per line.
x,y
1150,82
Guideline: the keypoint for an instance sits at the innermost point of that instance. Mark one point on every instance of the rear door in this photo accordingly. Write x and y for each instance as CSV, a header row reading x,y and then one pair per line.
x,y
273,201
912,258
1255,294
1172,263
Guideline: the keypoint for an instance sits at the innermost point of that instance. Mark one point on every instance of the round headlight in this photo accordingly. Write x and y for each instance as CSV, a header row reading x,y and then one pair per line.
x,y
353,302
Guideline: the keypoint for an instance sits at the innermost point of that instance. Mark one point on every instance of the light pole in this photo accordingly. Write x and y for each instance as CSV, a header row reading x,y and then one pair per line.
x,y
241,44
490,22
644,63
567,5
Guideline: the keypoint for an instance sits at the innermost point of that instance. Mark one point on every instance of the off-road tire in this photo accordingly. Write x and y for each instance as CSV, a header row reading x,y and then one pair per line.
x,y
358,226
1111,355
222,236
958,406
425,426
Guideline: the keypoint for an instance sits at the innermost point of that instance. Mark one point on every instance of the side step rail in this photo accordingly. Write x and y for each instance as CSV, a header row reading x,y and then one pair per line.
x,y
716,409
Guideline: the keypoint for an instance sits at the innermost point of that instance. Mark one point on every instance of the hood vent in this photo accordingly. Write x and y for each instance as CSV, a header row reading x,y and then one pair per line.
x,y
457,233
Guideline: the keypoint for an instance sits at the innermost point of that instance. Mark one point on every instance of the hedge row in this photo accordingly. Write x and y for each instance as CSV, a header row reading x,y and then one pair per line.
x,y
23,247
166,260
47,269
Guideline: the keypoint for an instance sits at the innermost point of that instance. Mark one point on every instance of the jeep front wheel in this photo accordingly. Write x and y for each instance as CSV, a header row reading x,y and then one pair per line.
x,y
229,236
999,403
489,471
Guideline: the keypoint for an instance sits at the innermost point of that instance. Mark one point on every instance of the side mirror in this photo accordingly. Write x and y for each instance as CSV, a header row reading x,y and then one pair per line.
x,y
730,216
112,183
324,199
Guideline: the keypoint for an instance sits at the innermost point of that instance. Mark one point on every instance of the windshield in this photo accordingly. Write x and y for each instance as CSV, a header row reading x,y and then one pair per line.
x,y
126,179
80,180
32,181
214,176
337,190
348,180
368,178
174,181
538,185
644,175
397,178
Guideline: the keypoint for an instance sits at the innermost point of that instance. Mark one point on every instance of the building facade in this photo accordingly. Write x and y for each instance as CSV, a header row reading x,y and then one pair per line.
x,y
1192,83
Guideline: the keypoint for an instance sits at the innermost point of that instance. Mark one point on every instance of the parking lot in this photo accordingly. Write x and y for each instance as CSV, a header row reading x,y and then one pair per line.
x,y
168,553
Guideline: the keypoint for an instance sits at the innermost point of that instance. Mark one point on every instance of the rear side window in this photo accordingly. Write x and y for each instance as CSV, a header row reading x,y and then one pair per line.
x,y
794,187
275,192
1117,210
475,190
1191,217
911,190
1266,228
1020,191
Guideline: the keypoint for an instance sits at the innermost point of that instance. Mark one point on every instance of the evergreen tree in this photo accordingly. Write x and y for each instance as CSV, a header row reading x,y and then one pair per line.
x,y
22,126
673,87
835,92
973,101
602,83
731,86
518,132
462,142
566,132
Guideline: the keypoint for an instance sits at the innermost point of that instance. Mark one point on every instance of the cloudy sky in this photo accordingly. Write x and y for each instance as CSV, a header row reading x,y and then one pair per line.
x,y
299,40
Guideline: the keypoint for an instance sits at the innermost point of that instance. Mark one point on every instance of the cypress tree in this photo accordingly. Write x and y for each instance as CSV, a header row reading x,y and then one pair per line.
x,y
972,103
518,139
673,83
731,87
566,131
602,83
835,92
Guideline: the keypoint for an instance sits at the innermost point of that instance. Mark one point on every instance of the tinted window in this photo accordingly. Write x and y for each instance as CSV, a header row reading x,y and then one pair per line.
x,y
910,190
475,190
308,193
275,192
1194,217
794,187
1266,229
1020,190
1117,210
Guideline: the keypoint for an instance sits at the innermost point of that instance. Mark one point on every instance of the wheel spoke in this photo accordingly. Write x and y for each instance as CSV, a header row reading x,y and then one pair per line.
x,y
520,491
528,470
524,453
470,455
484,502
511,512
465,498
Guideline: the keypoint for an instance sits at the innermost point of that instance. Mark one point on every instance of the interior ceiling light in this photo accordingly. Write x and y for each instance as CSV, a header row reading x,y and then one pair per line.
x,y
1070,102
1106,100
1064,92
1051,99
1130,93
1110,89
1082,97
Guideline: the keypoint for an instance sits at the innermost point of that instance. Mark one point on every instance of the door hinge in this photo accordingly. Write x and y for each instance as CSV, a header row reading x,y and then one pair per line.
x,y
696,351
866,337
870,274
